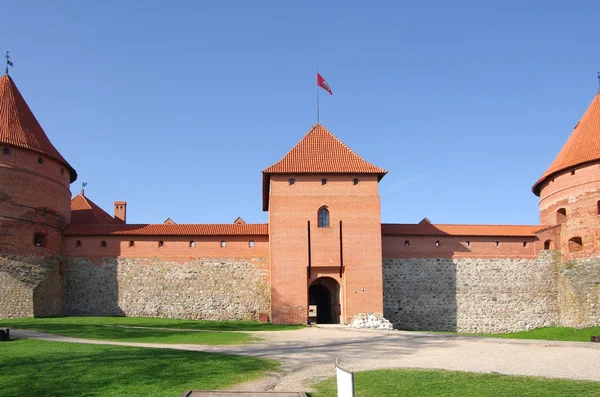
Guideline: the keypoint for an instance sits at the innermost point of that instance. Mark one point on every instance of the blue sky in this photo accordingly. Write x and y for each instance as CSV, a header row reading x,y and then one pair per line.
x,y
177,106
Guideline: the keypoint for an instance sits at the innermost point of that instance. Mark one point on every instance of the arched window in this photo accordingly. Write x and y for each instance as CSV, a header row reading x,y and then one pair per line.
x,y
323,217
548,245
561,216
575,244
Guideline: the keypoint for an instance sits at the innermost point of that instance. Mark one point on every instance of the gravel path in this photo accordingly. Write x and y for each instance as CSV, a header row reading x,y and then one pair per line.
x,y
308,355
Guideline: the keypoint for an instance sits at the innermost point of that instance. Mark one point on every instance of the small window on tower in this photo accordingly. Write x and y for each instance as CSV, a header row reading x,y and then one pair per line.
x,y
437,243
223,244
131,244
251,244
572,172
62,171
160,244
40,160
467,243
575,244
406,243
292,181
324,181
355,181
40,240
524,244
192,244
103,243
78,243
497,243
6,151
561,216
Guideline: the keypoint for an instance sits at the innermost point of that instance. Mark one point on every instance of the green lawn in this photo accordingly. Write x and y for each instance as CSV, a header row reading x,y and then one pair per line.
x,y
552,333
40,368
164,323
426,383
546,333
108,328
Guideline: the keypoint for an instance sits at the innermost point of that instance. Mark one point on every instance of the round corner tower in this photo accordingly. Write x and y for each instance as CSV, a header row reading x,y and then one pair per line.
x,y
34,181
569,190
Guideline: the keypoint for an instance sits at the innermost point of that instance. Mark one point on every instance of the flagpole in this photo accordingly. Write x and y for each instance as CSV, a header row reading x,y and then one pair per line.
x,y
317,86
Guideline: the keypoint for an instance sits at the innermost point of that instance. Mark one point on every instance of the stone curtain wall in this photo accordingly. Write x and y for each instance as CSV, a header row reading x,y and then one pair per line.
x,y
209,289
30,286
471,294
579,292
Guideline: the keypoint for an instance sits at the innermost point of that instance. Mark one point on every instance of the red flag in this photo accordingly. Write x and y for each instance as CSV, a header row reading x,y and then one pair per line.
x,y
323,84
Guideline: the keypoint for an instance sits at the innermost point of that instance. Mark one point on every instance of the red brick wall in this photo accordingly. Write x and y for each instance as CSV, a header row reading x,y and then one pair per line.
x,y
358,207
579,194
394,247
34,198
173,248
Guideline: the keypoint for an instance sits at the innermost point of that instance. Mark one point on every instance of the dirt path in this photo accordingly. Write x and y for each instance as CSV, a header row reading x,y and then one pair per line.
x,y
308,355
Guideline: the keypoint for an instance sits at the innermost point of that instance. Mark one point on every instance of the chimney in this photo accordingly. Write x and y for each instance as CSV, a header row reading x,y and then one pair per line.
x,y
121,211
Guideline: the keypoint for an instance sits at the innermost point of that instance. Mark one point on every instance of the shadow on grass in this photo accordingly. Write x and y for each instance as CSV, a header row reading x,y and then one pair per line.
x,y
41,368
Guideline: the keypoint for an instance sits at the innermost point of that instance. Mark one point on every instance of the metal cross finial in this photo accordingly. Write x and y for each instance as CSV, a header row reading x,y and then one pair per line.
x,y
8,62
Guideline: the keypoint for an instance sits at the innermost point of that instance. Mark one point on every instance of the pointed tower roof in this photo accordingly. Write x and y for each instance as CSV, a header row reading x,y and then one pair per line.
x,y
85,211
583,146
319,152
19,127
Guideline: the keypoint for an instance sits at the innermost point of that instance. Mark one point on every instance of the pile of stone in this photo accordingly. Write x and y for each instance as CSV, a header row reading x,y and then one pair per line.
x,y
370,320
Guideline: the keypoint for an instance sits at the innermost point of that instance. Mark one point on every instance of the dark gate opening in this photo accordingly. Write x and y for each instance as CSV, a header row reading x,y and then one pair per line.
x,y
325,294
319,295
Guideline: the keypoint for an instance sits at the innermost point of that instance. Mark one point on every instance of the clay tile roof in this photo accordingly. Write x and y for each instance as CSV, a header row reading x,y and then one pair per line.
x,y
583,146
261,229
319,152
85,211
19,127
427,229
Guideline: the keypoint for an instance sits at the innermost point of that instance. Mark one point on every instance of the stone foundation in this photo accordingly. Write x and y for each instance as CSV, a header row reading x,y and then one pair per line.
x,y
207,289
471,295
31,286
579,292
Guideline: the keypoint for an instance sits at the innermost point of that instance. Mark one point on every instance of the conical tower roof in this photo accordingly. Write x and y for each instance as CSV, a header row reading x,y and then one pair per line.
x,y
19,127
583,146
319,152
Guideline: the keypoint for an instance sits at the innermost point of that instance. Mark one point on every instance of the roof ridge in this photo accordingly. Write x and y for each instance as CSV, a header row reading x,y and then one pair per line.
x,y
335,138
293,147
319,152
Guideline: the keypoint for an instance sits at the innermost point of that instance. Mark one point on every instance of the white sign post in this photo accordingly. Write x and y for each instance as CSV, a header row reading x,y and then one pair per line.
x,y
345,381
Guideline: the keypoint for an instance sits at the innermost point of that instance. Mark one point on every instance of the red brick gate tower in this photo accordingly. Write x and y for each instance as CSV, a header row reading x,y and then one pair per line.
x,y
324,231
34,181
569,191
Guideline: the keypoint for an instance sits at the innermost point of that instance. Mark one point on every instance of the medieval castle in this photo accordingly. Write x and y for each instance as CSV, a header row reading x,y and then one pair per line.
x,y
324,245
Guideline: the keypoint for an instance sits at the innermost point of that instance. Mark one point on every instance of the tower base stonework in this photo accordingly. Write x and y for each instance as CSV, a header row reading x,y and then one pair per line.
x,y
31,286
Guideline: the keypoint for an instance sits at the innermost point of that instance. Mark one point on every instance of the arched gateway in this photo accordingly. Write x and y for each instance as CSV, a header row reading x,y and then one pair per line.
x,y
324,293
